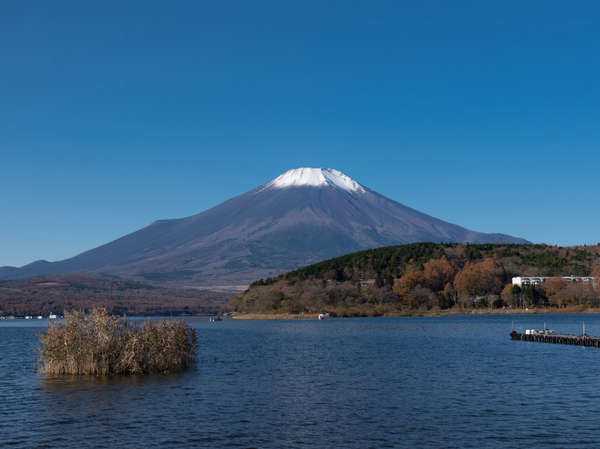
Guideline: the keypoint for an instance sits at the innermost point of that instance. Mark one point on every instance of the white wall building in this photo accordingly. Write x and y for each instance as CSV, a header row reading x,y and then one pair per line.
x,y
537,280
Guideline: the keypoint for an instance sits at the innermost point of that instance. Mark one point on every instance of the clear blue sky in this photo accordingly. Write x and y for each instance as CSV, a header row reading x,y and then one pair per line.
x,y
115,114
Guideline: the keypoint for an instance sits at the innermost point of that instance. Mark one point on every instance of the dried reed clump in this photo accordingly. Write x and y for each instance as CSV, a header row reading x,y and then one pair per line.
x,y
101,344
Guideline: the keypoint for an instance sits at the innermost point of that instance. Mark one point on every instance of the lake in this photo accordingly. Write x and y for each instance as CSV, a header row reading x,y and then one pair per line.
x,y
447,382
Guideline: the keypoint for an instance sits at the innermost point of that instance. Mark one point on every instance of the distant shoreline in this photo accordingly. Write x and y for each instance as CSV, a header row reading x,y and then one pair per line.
x,y
427,313
275,316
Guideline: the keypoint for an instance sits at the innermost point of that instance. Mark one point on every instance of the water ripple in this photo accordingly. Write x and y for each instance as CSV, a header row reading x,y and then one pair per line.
x,y
355,383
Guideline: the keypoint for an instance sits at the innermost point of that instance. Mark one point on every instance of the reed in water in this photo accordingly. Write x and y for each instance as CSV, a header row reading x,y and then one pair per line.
x,y
101,344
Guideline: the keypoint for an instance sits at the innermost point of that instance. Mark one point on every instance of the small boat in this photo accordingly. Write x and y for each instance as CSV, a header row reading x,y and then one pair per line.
x,y
39,317
52,316
539,332
544,331
322,316
28,317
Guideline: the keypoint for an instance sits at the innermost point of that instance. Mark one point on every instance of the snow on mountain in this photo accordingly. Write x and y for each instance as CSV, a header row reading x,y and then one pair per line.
x,y
315,177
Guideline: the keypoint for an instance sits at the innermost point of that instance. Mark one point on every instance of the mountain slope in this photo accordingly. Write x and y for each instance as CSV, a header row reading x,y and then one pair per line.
x,y
303,216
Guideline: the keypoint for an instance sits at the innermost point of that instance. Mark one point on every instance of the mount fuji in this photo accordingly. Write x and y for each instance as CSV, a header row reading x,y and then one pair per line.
x,y
303,216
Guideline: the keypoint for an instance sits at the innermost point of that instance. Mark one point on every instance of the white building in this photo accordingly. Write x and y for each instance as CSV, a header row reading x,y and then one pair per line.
x,y
537,280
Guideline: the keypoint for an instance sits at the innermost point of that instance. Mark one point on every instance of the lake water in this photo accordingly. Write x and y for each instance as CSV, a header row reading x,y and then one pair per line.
x,y
352,383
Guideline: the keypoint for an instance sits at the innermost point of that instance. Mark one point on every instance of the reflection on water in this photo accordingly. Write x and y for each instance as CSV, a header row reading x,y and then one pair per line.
x,y
405,382
61,384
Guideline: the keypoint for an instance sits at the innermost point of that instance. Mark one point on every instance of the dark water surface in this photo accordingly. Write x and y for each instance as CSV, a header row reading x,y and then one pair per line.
x,y
348,383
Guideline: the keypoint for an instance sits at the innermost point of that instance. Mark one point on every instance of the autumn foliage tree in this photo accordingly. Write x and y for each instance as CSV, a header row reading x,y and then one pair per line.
x,y
480,278
404,285
509,295
438,272
553,286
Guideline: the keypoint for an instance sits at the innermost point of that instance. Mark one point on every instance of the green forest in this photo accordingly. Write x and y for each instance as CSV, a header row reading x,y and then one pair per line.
x,y
424,277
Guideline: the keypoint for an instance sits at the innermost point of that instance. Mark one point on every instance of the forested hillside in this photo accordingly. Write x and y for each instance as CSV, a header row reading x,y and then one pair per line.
x,y
426,276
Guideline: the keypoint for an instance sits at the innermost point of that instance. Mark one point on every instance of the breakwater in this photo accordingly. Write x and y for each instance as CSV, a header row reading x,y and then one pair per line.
x,y
562,339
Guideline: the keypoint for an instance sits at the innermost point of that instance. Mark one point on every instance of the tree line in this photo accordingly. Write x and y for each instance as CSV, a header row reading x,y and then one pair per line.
x,y
57,294
428,276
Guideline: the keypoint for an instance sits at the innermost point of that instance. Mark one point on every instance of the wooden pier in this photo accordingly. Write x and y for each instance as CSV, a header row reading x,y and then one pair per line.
x,y
560,339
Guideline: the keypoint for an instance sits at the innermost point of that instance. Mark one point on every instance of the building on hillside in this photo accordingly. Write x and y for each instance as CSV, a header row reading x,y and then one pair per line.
x,y
538,280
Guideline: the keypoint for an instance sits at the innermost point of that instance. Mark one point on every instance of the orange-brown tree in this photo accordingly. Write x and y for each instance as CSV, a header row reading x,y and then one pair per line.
x,y
479,278
553,287
438,272
404,285
508,295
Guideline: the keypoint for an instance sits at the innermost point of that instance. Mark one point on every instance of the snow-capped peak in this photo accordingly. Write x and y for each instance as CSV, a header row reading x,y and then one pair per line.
x,y
316,177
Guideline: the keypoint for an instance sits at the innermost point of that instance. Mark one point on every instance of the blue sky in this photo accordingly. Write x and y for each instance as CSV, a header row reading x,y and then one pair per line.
x,y
113,115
